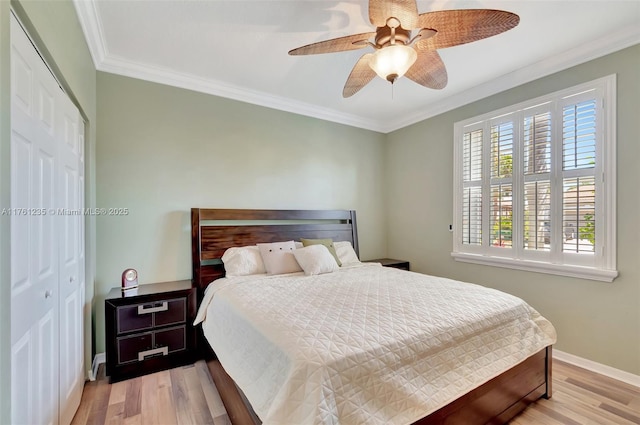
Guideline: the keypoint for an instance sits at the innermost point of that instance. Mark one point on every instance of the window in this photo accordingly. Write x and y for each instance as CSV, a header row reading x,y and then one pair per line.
x,y
535,184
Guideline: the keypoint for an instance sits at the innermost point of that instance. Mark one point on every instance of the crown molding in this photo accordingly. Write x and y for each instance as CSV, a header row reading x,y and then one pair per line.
x,y
104,61
121,66
92,28
625,37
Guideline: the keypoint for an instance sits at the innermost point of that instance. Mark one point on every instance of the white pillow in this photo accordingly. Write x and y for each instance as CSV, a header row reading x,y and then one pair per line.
x,y
345,252
278,257
243,261
315,259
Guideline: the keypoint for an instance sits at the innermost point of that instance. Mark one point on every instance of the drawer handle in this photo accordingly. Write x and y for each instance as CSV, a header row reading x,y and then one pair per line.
x,y
162,350
152,309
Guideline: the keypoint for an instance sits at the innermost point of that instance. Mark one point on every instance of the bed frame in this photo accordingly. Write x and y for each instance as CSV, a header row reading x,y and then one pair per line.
x,y
215,230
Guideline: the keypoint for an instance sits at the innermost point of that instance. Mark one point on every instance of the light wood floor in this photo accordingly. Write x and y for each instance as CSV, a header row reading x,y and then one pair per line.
x,y
187,395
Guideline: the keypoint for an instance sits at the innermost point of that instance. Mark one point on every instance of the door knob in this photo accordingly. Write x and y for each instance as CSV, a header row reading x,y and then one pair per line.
x,y
48,293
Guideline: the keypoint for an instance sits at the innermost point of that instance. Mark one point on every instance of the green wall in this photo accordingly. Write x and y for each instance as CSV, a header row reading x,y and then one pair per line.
x,y
163,150
56,31
597,321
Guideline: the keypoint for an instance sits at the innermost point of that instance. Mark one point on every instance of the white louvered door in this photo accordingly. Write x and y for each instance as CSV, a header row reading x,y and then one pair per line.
x,y
46,245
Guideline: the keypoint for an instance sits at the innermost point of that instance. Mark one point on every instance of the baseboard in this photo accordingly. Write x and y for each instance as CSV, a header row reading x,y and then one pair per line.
x,y
97,360
600,368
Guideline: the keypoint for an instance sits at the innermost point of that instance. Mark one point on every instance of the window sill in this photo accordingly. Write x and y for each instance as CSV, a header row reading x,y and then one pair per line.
x,y
591,273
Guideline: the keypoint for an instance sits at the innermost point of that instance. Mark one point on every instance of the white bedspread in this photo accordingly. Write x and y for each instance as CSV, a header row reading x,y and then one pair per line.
x,y
364,345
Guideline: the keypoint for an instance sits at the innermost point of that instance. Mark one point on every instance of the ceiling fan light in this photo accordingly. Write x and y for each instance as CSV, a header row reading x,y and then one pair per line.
x,y
392,62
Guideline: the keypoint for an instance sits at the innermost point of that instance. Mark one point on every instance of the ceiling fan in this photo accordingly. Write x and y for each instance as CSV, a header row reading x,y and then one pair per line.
x,y
405,42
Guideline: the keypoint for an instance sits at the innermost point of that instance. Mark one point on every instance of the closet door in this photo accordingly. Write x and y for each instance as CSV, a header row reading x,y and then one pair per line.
x,y
34,236
71,281
47,242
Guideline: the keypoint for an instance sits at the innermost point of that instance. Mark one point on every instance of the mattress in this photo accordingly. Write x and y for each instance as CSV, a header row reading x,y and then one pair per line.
x,y
364,345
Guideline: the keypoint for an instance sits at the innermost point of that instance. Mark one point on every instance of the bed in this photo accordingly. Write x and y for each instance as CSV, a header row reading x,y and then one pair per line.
x,y
253,340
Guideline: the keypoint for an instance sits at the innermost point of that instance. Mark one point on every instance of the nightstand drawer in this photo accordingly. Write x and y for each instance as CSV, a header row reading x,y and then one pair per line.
x,y
129,320
175,339
130,346
176,312
140,317
139,347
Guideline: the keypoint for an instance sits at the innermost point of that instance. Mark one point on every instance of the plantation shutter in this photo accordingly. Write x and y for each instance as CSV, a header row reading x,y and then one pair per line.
x,y
472,188
501,194
578,170
537,134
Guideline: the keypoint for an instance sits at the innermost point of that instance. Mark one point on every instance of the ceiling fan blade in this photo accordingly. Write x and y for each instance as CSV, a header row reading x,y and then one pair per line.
x,y
339,44
428,70
406,11
360,76
463,26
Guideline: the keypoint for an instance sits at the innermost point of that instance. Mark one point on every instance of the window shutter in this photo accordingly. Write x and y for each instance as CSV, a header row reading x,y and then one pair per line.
x,y
472,156
502,150
472,188
501,195
537,215
472,216
579,135
501,215
536,144
578,184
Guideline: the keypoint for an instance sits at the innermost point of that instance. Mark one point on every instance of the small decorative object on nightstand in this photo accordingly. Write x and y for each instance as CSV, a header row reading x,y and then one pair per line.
x,y
151,329
390,262
129,279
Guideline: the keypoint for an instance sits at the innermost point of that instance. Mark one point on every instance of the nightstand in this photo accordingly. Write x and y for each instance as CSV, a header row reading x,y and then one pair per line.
x,y
390,262
149,328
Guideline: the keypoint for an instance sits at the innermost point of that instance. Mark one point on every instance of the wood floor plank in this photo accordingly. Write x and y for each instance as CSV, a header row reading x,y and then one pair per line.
x,y
164,378
149,400
211,395
133,420
585,400
98,413
166,406
198,402
118,392
222,420
600,389
627,414
133,398
572,404
115,414
635,404
180,393
598,379
188,396
86,402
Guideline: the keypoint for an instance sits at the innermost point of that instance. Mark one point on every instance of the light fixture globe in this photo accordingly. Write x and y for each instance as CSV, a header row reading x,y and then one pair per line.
x,y
392,62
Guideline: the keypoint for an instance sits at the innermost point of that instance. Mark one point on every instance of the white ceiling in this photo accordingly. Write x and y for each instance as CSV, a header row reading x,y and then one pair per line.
x,y
238,49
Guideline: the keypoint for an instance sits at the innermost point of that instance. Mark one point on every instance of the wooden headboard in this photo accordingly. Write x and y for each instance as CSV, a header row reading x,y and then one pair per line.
x,y
215,230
